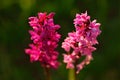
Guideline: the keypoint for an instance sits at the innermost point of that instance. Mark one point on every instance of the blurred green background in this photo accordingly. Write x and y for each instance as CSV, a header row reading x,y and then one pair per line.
x,y
14,37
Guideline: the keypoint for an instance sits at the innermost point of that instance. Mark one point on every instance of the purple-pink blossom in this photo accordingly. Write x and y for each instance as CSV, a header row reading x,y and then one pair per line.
x,y
45,40
80,42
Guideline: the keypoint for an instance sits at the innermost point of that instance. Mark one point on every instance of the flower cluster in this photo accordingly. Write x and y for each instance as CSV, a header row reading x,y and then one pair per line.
x,y
45,39
81,42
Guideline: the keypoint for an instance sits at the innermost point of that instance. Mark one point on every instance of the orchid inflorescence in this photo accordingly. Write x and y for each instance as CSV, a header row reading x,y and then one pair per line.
x,y
81,41
45,38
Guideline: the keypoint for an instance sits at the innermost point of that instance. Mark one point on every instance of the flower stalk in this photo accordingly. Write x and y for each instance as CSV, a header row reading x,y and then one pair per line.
x,y
71,74
47,73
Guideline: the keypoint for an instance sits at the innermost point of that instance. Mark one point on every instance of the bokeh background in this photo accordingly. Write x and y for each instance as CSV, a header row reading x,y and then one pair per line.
x,y
14,38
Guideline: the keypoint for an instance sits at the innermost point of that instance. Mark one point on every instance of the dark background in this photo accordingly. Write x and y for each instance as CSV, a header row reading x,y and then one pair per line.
x,y
14,37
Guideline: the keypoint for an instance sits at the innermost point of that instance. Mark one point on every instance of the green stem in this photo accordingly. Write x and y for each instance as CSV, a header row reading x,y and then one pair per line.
x,y
72,74
47,73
